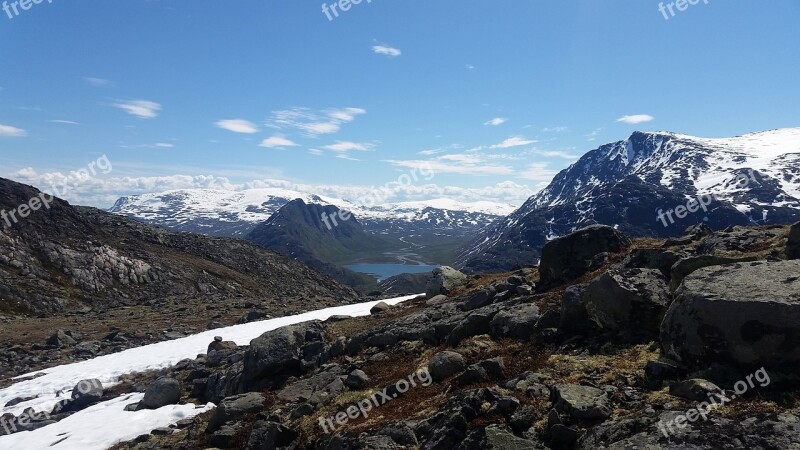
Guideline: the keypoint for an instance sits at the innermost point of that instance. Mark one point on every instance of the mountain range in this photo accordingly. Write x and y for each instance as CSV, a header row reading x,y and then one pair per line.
x,y
633,185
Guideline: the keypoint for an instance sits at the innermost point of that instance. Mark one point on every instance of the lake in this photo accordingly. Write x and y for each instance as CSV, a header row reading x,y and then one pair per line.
x,y
383,271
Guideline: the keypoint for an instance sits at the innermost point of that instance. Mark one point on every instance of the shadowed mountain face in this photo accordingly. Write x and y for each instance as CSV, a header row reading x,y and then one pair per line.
x,y
62,257
747,180
322,237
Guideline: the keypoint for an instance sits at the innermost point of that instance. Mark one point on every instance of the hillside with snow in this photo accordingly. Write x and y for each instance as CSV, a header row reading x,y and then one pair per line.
x,y
750,180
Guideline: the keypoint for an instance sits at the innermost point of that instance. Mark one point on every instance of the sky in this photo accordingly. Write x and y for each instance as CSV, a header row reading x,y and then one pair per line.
x,y
493,98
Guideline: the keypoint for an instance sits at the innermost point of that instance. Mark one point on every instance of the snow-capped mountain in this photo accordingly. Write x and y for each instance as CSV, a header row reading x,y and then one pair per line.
x,y
235,213
750,179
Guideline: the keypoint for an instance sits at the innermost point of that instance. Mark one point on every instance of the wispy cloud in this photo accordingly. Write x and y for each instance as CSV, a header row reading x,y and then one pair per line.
x,y
65,122
238,126
143,109
593,135
348,146
557,154
496,121
164,145
314,123
98,82
9,131
538,172
277,142
555,129
386,50
636,119
514,141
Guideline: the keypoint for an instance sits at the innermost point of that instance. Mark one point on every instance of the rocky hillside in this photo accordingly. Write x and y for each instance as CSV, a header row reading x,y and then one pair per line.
x,y
747,180
687,343
64,258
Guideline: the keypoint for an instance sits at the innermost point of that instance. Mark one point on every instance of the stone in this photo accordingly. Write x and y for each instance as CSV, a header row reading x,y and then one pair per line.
x,y
443,281
743,315
380,308
233,407
164,391
357,380
569,257
445,364
628,299
695,389
793,244
437,300
574,316
582,402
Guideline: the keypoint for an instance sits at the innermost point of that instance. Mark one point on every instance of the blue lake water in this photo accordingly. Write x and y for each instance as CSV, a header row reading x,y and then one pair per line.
x,y
383,271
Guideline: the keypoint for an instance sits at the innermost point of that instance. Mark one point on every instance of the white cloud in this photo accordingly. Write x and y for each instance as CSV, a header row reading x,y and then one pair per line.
x,y
314,123
636,119
164,145
558,154
538,172
65,122
496,121
98,82
277,142
143,109
460,164
555,129
386,50
9,131
237,126
593,135
348,146
515,141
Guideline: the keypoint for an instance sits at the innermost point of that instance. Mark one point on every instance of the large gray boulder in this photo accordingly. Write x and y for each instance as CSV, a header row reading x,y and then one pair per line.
x,y
443,280
278,354
164,391
568,257
745,314
628,299
236,406
793,245
445,364
582,402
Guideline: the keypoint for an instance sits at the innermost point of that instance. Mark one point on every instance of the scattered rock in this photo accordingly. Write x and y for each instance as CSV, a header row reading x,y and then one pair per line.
x,y
445,364
568,257
695,389
443,280
380,308
582,402
357,380
164,391
234,407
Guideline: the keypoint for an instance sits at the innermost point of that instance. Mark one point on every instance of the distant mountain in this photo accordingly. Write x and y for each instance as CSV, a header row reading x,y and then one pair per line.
x,y
307,233
235,213
433,229
62,258
747,180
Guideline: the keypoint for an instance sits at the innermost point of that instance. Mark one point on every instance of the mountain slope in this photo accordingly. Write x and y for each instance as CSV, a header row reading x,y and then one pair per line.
x,y
754,179
300,231
66,257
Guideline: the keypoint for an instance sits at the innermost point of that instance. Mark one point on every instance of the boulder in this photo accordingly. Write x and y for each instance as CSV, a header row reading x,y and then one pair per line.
x,y
380,308
479,299
219,345
628,299
164,391
357,380
745,315
278,354
793,244
443,280
568,257
61,339
270,435
582,402
445,364
515,322
695,389
574,317
87,392
686,266
234,407
437,300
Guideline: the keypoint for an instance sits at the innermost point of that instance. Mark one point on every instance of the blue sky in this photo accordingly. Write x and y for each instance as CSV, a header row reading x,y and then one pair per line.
x,y
495,97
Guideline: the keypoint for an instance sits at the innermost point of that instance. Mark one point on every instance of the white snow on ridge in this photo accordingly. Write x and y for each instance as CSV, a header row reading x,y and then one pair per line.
x,y
109,368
